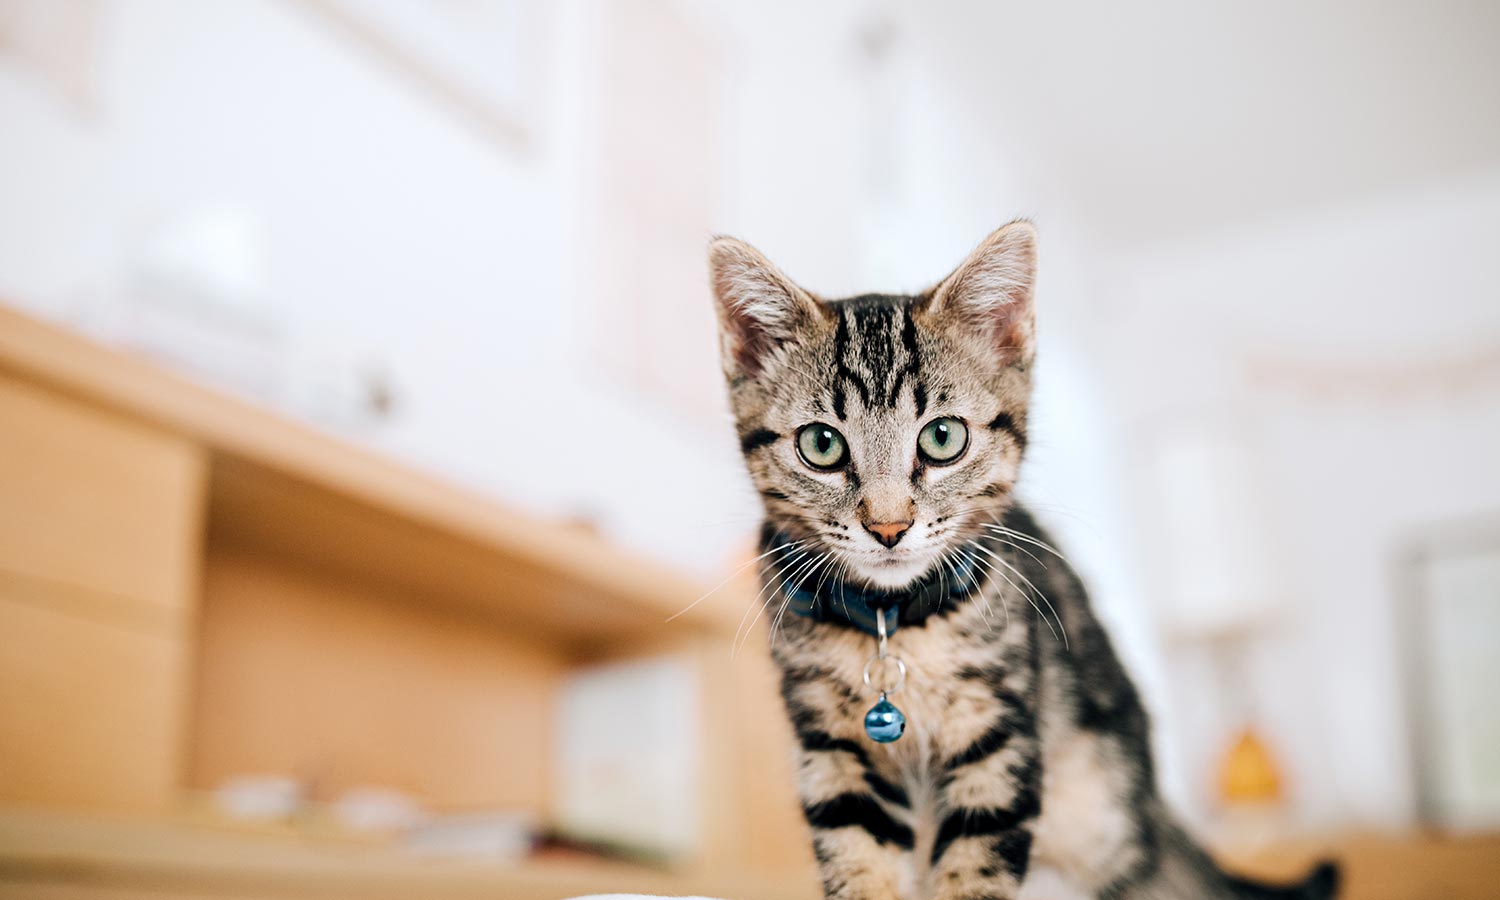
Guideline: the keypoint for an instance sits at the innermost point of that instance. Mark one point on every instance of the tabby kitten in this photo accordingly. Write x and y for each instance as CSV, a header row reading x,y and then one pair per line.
x,y
885,434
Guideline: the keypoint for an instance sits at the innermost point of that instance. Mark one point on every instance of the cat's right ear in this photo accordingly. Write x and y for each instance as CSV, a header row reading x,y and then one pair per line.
x,y
758,306
990,293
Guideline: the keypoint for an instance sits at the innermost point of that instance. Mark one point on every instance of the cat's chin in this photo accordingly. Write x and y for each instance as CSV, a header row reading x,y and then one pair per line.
x,y
893,573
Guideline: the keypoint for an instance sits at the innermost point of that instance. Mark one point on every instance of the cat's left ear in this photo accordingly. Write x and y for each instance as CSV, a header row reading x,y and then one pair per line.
x,y
991,292
759,308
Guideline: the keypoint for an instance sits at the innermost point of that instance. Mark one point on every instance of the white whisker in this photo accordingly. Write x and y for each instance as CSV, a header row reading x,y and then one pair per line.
x,y
1022,536
825,564
780,587
731,576
783,565
986,609
1048,622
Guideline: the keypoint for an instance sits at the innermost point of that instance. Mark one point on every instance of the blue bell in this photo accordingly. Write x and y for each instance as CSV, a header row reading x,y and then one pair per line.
x,y
884,722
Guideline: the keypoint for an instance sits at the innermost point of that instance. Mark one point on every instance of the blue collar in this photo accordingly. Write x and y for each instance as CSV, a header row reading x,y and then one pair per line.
x,y
821,600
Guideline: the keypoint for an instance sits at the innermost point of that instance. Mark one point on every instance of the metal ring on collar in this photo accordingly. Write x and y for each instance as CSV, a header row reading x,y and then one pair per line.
x,y
900,668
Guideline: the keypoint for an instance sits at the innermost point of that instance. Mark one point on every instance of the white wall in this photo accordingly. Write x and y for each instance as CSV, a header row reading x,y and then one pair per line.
x,y
1260,328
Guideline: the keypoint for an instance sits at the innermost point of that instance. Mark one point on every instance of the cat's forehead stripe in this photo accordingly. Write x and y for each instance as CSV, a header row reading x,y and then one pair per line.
x,y
875,353
844,372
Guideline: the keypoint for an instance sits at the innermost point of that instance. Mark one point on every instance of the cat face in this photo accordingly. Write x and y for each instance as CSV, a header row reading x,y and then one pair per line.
x,y
883,431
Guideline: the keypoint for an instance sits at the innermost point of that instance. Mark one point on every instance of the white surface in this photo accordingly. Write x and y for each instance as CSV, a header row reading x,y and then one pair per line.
x,y
1462,601
633,897
1210,495
628,755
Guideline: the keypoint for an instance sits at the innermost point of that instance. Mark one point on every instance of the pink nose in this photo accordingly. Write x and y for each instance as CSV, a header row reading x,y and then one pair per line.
x,y
887,533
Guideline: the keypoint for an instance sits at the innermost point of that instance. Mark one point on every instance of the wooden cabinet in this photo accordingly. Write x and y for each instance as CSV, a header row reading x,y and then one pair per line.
x,y
99,528
91,712
97,503
346,683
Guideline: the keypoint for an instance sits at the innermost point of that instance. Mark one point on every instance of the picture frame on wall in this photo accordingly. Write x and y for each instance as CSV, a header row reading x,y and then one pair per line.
x,y
1451,612
659,158
57,44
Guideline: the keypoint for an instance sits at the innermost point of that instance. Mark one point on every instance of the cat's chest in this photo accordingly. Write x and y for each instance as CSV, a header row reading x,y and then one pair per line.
x,y
941,676
952,671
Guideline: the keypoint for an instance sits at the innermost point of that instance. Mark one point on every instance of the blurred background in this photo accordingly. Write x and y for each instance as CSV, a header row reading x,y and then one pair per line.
x,y
362,423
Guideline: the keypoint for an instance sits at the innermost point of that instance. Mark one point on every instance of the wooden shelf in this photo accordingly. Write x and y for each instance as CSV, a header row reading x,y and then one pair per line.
x,y
194,589
1382,866
304,494
105,857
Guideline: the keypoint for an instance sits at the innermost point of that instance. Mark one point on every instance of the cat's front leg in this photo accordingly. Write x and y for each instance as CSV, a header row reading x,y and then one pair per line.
x,y
860,835
990,795
860,820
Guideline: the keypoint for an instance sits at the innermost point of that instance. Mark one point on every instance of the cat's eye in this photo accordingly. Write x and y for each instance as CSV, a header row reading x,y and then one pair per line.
x,y
943,440
822,447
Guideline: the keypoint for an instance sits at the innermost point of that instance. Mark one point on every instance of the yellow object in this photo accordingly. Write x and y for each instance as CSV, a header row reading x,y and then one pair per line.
x,y
1249,774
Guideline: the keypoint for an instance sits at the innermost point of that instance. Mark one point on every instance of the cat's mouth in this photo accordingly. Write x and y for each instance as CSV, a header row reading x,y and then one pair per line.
x,y
896,569
894,558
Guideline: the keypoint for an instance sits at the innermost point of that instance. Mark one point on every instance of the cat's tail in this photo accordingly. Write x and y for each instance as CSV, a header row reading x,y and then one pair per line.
x,y
1188,866
1321,884
1183,869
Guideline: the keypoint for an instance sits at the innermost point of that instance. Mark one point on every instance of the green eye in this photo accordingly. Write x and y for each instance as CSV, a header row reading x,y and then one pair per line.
x,y
822,447
943,440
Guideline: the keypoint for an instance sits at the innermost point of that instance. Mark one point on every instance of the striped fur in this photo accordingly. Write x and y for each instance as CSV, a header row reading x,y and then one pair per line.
x,y
1026,742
